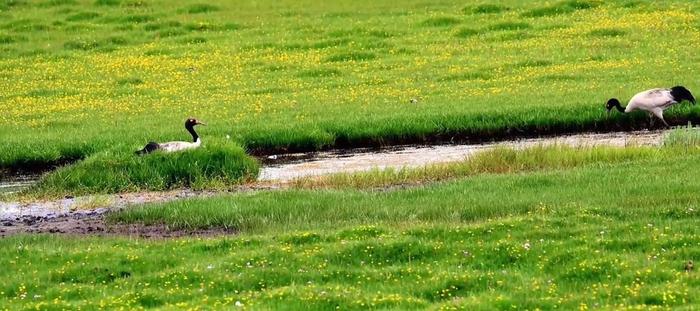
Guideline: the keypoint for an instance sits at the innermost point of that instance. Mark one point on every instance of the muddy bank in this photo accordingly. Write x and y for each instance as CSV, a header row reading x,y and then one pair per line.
x,y
93,223
86,215
543,128
34,167
9,211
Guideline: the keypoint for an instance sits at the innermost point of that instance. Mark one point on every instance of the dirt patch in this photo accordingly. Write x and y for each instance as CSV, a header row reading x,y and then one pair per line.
x,y
93,223
71,215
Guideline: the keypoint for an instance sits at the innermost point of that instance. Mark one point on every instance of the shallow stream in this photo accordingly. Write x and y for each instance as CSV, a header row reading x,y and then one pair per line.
x,y
293,166
285,167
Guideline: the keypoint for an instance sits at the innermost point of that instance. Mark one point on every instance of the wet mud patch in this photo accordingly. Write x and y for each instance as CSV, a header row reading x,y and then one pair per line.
x,y
87,215
93,223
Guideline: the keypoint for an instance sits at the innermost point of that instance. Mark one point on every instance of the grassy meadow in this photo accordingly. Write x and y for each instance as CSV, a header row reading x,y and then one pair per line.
x,y
80,77
588,236
88,82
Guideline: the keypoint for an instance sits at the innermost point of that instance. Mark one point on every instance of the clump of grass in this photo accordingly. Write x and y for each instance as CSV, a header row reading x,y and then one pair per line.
x,y
212,165
632,4
200,8
497,161
684,137
53,3
130,81
564,7
476,75
443,21
137,18
509,26
202,27
487,8
108,2
607,32
82,16
320,73
117,40
532,63
520,35
171,32
467,32
351,56
6,39
162,25
82,44
194,40
9,4
270,90
49,93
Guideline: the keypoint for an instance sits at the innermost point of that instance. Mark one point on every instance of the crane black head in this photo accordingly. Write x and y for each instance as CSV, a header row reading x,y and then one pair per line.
x,y
680,93
189,125
614,103
191,122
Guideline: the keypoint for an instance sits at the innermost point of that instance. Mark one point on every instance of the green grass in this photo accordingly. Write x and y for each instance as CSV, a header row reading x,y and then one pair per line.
x,y
615,186
546,228
603,236
214,165
83,76
687,137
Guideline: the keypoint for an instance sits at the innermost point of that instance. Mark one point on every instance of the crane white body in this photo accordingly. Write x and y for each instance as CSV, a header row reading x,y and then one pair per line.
x,y
654,101
174,146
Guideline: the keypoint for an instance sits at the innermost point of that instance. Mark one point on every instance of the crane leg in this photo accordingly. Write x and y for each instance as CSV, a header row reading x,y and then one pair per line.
x,y
660,114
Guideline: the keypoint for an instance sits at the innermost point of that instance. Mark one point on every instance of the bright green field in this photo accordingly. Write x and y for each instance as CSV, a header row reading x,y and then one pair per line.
x,y
545,229
79,77
610,236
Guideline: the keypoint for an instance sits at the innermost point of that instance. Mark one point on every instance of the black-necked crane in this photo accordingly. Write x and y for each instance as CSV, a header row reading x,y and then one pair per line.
x,y
176,145
653,101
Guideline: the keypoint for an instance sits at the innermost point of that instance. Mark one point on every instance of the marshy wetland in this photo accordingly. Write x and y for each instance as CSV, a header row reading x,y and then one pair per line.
x,y
357,155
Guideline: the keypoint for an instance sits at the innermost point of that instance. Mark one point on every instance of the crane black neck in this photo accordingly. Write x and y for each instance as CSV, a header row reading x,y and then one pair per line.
x,y
613,102
190,128
619,107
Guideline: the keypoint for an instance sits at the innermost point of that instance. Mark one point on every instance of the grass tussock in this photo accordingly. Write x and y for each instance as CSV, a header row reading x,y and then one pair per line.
x,y
210,166
496,161
351,56
563,7
467,32
200,8
442,21
487,8
607,32
509,26
686,137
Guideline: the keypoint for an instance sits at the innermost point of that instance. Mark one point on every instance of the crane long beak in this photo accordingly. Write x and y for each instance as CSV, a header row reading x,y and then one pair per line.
x,y
200,123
